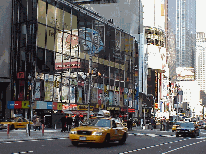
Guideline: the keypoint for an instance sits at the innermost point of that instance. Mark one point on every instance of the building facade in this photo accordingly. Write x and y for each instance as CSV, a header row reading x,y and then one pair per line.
x,y
5,42
52,44
185,33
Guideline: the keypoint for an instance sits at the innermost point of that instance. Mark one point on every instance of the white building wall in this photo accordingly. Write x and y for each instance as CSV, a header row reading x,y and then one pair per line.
x,y
200,74
191,94
152,13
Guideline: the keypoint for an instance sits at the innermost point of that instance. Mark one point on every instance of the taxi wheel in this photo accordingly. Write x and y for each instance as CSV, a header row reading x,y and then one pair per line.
x,y
75,143
123,140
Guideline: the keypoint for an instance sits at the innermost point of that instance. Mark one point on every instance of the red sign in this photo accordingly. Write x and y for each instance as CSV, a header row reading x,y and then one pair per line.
x,y
55,105
69,106
131,110
20,75
17,104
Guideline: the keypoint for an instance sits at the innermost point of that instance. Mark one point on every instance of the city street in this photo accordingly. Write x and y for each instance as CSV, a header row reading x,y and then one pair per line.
x,y
138,141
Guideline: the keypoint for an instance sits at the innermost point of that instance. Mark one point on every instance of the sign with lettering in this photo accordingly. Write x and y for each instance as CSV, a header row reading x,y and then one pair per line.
x,y
84,107
20,75
25,104
113,108
10,104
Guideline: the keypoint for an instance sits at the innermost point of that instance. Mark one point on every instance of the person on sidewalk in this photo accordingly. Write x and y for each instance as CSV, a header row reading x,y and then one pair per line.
x,y
63,121
76,121
37,124
69,122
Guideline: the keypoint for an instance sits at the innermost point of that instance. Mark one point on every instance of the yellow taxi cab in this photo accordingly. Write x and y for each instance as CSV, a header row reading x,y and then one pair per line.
x,y
100,130
174,127
18,122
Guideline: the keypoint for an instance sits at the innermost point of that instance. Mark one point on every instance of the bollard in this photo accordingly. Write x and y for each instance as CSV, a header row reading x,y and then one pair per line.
x,y
8,130
55,126
42,129
27,127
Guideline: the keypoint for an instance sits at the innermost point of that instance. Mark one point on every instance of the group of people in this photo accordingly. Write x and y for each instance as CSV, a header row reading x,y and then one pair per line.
x,y
67,122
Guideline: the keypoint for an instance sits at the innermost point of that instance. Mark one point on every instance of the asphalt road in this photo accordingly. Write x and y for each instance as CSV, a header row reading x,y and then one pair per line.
x,y
143,144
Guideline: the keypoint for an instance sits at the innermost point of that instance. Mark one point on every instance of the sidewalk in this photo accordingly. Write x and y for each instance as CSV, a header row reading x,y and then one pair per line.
x,y
21,135
17,135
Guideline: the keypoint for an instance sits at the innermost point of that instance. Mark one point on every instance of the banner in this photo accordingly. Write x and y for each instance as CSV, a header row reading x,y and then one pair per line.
x,y
48,88
37,90
111,95
79,97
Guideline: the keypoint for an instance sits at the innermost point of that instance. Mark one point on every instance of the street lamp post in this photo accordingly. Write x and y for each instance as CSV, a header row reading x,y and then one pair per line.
x,y
30,99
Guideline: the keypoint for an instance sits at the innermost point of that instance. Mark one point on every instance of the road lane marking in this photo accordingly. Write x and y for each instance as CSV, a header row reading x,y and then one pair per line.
x,y
160,145
183,147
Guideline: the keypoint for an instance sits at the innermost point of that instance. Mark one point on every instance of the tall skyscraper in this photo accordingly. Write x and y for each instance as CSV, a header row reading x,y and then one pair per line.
x,y
185,33
200,75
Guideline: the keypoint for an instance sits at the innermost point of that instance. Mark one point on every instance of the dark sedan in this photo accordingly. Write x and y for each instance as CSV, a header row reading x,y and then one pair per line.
x,y
187,128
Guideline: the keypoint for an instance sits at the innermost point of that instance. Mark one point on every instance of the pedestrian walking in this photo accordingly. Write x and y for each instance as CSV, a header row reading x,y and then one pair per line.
x,y
69,122
76,121
63,121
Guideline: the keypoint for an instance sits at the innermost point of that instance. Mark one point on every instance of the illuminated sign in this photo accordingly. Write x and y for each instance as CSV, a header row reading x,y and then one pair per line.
x,y
84,107
156,105
113,108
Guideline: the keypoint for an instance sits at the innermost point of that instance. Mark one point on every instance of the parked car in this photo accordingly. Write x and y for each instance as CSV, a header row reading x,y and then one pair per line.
x,y
101,130
188,128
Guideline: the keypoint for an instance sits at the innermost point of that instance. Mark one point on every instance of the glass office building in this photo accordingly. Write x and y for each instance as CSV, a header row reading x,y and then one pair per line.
x,y
52,42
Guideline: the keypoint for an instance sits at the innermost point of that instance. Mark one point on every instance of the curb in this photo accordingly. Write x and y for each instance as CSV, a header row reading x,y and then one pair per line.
x,y
32,139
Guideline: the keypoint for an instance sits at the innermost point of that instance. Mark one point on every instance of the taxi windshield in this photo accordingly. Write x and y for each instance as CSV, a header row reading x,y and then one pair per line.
x,y
98,122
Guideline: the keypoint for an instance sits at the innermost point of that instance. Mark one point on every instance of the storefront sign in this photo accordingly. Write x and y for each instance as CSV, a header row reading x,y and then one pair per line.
x,y
49,105
41,105
20,75
59,106
10,104
54,106
25,104
113,108
131,110
69,107
17,105
84,107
